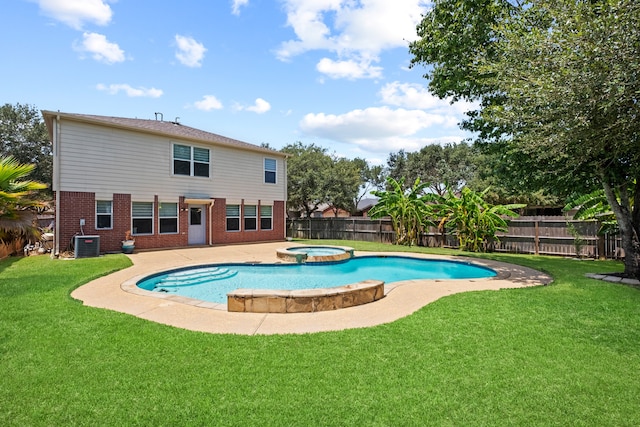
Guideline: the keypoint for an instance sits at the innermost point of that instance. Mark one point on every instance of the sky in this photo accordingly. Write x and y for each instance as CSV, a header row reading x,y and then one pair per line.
x,y
330,72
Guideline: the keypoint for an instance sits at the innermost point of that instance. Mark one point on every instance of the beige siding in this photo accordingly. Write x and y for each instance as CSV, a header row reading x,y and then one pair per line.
x,y
106,160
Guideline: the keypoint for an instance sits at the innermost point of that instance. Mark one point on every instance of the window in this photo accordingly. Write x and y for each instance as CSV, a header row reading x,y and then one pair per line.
x,y
266,214
250,217
195,216
190,161
104,214
200,162
233,217
142,217
270,171
168,214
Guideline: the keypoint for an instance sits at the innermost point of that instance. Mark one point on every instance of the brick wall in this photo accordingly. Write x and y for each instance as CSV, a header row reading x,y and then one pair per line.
x,y
80,205
221,236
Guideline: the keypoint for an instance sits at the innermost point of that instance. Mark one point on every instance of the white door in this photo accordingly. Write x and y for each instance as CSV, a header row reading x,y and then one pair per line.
x,y
197,225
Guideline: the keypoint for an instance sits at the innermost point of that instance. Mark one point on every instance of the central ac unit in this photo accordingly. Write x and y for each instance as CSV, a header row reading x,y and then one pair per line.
x,y
87,246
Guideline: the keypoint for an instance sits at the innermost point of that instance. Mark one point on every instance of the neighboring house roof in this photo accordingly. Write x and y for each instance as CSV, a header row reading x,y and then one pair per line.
x,y
158,127
366,203
362,205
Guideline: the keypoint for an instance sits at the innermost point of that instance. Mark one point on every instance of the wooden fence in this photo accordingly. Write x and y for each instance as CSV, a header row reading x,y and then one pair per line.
x,y
544,235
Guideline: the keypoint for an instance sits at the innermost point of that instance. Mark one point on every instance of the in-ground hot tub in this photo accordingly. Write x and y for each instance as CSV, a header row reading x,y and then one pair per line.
x,y
302,254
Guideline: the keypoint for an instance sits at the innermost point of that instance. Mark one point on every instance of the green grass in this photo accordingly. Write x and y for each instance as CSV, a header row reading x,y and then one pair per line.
x,y
566,354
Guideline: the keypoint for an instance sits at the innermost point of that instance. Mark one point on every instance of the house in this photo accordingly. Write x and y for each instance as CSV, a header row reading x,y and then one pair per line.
x,y
327,211
170,185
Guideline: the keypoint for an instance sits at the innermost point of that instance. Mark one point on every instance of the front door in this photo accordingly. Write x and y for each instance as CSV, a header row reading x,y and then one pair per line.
x,y
197,225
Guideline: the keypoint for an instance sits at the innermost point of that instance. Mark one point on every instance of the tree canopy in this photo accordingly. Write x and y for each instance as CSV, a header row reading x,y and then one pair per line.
x,y
451,165
24,136
317,178
558,84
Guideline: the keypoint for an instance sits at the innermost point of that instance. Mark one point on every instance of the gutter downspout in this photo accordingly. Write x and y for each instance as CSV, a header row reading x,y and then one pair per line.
x,y
211,223
56,184
286,192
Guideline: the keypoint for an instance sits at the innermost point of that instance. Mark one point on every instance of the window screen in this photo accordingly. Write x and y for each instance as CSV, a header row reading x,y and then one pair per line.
x,y
104,214
142,217
250,217
168,214
266,215
270,171
233,217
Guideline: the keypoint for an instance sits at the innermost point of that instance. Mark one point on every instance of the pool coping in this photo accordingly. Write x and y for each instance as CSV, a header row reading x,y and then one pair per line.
x,y
401,298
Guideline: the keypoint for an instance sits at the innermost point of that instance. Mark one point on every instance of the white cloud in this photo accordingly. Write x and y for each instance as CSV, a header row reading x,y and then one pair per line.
x,y
379,128
190,52
260,106
237,4
100,48
208,103
114,89
355,31
411,95
349,69
75,13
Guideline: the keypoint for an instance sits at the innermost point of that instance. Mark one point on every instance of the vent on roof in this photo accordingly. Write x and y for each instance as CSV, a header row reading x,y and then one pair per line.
x,y
87,246
161,116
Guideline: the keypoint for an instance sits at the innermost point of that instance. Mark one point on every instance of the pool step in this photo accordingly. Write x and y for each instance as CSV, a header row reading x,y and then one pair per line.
x,y
190,278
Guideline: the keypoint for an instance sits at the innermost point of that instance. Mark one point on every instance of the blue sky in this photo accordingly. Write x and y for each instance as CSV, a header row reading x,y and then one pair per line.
x,y
331,72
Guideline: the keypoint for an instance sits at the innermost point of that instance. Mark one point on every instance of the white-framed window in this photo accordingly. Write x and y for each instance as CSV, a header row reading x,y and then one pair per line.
x,y
250,217
270,167
141,218
168,215
190,161
233,217
104,214
266,217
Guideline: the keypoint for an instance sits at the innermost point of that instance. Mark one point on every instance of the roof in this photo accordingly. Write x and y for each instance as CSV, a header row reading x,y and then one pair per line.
x,y
157,127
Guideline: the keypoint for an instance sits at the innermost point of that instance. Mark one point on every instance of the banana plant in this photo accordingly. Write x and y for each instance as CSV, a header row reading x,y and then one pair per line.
x,y
409,210
474,221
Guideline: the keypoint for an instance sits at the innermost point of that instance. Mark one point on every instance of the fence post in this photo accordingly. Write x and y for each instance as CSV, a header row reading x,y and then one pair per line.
x,y
536,240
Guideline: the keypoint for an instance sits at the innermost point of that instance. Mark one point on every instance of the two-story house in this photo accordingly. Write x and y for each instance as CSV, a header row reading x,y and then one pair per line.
x,y
170,185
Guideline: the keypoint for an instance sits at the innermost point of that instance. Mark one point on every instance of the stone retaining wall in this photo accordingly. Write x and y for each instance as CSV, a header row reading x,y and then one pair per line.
x,y
304,300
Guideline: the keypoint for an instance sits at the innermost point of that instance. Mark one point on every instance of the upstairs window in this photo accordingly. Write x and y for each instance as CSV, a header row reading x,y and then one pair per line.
x,y
104,214
270,171
190,161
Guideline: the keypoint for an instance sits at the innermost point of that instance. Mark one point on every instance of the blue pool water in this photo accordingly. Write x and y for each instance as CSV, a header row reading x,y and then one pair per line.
x,y
213,282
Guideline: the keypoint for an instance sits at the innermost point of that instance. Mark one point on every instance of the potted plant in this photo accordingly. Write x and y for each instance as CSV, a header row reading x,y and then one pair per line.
x,y
129,243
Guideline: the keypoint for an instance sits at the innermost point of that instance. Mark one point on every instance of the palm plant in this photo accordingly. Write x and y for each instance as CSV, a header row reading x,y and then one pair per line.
x,y
17,217
409,209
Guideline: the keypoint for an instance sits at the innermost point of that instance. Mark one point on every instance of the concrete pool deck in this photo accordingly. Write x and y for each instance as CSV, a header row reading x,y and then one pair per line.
x,y
401,298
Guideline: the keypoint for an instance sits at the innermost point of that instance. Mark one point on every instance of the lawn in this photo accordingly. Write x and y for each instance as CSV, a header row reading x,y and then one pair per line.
x,y
567,354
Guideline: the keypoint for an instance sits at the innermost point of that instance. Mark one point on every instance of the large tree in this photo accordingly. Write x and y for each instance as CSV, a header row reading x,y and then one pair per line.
x,y
308,171
343,184
451,165
371,178
24,136
558,83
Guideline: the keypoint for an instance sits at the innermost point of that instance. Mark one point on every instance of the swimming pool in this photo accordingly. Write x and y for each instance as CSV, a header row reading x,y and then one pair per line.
x,y
213,282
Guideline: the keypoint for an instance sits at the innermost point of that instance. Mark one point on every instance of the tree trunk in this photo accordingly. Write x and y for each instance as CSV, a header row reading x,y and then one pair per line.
x,y
624,212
